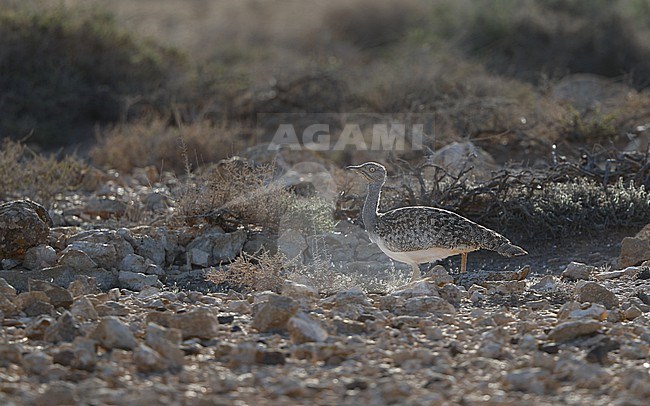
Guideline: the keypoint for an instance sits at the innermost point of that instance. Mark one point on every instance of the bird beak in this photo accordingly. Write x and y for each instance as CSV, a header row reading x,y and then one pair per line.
x,y
353,167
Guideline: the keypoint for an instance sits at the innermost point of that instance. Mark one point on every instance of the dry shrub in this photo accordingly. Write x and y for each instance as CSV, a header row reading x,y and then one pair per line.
x,y
369,24
562,200
26,174
235,193
309,215
156,142
531,38
257,272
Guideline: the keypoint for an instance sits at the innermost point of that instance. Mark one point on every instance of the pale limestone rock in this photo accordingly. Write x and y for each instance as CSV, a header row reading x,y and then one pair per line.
x,y
575,310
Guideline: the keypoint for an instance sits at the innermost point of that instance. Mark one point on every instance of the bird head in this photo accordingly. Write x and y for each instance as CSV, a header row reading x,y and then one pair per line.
x,y
372,171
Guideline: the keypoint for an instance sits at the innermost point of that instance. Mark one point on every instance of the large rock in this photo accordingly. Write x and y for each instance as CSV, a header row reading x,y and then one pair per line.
x,y
40,256
137,281
83,309
148,360
7,307
112,333
304,294
27,299
273,314
595,293
139,264
65,329
102,254
10,354
158,244
166,342
80,354
635,250
424,306
303,329
292,244
23,225
215,247
83,285
105,247
459,156
200,323
36,363
531,380
77,259
57,296
577,271
573,329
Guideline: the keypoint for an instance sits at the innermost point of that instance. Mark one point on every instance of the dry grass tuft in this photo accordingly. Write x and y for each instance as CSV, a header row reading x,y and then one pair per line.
x,y
26,174
235,193
156,142
256,272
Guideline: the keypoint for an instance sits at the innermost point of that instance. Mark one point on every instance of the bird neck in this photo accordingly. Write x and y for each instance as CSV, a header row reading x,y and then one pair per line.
x,y
371,206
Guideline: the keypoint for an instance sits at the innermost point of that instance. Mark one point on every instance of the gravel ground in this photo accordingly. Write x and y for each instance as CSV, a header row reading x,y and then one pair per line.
x,y
520,340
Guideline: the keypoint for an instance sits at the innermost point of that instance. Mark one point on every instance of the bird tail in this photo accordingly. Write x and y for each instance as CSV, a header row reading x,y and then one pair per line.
x,y
510,250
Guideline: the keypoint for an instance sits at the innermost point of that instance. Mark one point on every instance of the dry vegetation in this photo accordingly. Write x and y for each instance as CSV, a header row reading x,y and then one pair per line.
x,y
477,69
168,91
258,272
172,105
27,174
157,142
235,193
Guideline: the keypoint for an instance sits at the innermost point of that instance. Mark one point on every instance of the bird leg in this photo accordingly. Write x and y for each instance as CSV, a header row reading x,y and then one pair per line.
x,y
463,262
416,272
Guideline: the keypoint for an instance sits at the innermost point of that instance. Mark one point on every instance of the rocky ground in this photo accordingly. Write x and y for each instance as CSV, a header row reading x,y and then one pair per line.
x,y
124,315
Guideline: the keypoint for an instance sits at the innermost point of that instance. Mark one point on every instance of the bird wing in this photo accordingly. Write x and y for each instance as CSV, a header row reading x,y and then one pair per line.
x,y
421,227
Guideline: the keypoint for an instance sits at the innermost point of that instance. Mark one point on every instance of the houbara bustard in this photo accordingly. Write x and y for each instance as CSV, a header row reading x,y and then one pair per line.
x,y
421,234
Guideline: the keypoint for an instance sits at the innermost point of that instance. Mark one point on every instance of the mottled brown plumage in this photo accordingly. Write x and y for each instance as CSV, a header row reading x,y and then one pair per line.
x,y
422,234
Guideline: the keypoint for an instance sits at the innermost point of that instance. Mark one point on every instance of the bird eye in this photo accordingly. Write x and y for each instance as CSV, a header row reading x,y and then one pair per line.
x,y
372,169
